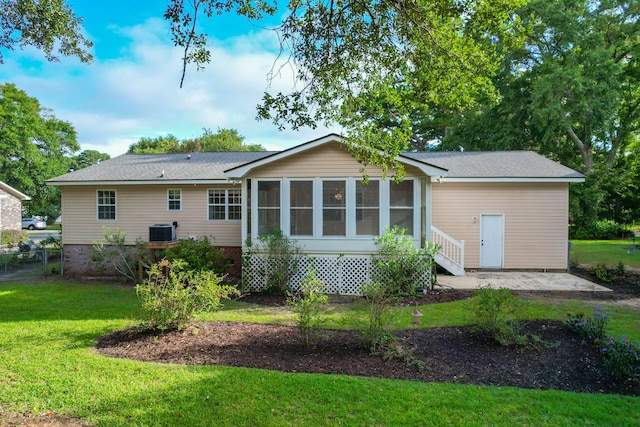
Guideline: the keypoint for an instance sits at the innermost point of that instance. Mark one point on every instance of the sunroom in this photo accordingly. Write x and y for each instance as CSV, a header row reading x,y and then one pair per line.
x,y
315,193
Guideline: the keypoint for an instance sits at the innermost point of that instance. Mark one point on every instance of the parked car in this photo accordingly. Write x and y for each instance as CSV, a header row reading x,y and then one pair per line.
x,y
33,224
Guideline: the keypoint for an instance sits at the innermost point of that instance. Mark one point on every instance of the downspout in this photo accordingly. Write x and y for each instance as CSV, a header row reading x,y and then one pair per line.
x,y
425,209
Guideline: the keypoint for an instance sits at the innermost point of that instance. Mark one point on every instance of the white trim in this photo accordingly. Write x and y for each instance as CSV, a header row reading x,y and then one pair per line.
x,y
169,200
148,182
115,194
512,179
384,207
226,205
9,189
313,206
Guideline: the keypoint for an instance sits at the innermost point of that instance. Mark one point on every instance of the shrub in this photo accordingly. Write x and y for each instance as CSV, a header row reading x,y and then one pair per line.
x,y
399,265
306,304
198,254
172,295
12,237
622,358
587,327
494,313
122,258
601,272
283,256
379,314
597,230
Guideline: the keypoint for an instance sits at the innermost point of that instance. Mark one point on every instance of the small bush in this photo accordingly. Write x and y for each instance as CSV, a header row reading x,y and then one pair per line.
x,y
172,295
380,312
399,265
622,357
306,304
494,313
283,256
601,272
587,327
12,237
198,254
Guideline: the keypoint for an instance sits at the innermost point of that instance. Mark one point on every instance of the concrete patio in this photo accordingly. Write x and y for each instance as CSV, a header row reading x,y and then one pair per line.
x,y
522,281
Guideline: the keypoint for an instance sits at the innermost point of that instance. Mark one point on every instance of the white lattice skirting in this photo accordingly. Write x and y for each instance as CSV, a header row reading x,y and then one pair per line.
x,y
340,274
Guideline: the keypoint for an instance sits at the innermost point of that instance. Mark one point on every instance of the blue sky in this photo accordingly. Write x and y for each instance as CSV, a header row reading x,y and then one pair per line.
x,y
131,90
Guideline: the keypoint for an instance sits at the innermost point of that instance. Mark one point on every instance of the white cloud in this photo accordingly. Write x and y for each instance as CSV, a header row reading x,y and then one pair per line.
x,y
114,103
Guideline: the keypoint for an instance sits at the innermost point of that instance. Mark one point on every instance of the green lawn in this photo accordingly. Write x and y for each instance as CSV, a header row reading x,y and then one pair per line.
x,y
47,364
609,252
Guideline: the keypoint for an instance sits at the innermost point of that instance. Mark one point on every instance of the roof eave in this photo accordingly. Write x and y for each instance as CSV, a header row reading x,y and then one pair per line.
x,y
514,179
144,182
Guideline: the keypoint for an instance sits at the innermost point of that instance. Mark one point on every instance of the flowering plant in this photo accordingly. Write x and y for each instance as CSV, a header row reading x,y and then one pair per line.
x,y
589,327
622,357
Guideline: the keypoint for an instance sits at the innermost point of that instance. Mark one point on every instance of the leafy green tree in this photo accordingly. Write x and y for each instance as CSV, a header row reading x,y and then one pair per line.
x,y
571,92
222,140
49,25
408,53
159,145
34,146
87,158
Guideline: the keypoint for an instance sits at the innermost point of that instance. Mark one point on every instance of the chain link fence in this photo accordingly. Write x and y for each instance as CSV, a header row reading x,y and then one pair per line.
x,y
24,263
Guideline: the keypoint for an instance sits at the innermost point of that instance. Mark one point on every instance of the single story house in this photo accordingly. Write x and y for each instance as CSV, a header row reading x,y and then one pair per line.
x,y
488,210
11,207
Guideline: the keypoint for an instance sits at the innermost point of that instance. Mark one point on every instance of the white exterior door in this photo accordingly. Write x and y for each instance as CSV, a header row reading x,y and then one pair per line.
x,y
491,240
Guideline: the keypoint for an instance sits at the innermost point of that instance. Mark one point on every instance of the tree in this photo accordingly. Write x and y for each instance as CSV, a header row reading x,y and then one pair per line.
x,y
34,146
573,91
87,158
159,145
410,53
222,140
48,25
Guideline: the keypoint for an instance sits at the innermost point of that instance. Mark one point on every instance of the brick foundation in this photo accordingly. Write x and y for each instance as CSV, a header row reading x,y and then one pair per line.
x,y
77,261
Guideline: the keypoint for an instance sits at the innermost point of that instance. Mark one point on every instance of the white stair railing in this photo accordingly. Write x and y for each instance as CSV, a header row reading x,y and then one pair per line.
x,y
451,253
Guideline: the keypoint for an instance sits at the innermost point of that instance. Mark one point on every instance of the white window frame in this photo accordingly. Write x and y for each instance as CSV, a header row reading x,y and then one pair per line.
x,y
179,200
226,204
350,206
287,185
115,205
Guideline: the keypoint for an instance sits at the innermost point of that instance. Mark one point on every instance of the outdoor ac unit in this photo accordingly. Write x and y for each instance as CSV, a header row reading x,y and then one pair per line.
x,y
162,233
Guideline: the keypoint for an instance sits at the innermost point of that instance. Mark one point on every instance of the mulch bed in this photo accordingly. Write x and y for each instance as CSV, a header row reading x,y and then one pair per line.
x,y
454,354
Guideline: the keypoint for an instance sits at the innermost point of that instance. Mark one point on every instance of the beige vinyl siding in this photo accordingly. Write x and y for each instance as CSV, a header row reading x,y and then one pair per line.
x,y
326,161
535,220
138,208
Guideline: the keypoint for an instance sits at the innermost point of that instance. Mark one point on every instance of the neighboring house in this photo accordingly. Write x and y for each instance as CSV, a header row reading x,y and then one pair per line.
x,y
509,208
11,207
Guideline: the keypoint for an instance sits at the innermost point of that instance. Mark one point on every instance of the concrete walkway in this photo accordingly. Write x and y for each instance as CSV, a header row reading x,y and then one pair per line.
x,y
521,281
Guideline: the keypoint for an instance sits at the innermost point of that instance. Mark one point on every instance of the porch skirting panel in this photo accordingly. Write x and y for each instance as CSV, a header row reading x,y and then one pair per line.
x,y
341,274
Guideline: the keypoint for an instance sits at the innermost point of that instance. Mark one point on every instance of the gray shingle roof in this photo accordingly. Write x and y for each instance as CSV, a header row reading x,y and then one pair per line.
x,y
150,167
495,164
132,168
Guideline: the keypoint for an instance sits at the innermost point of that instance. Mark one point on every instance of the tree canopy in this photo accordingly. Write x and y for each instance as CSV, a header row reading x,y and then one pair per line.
x,y
410,53
222,140
34,146
49,25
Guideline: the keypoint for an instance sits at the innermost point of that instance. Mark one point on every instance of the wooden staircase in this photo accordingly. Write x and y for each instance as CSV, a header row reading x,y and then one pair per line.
x,y
451,253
